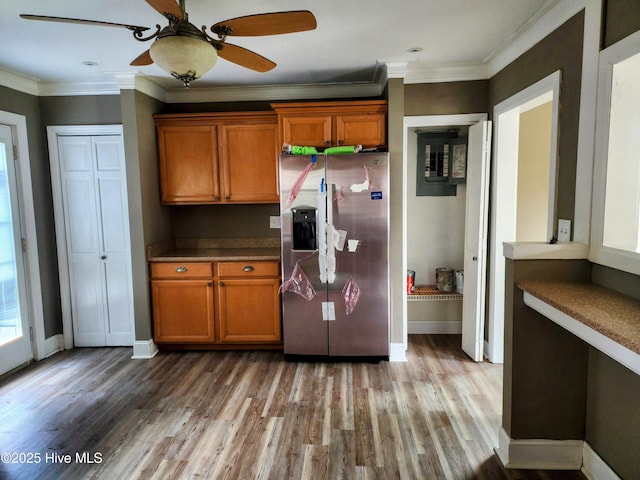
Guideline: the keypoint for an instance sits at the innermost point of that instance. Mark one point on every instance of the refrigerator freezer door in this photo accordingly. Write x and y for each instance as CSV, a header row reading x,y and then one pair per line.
x,y
359,199
304,330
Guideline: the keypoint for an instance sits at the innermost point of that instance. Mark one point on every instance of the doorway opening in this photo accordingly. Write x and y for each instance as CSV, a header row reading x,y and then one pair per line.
x,y
523,201
21,319
442,216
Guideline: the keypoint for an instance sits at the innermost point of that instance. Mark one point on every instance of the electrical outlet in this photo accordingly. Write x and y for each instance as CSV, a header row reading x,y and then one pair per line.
x,y
274,222
564,230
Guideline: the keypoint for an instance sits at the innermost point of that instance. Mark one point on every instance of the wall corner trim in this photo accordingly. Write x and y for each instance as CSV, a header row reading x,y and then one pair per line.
x,y
539,454
144,349
52,345
397,352
594,467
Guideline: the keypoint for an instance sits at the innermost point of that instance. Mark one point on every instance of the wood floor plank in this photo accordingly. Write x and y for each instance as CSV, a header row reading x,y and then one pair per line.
x,y
253,415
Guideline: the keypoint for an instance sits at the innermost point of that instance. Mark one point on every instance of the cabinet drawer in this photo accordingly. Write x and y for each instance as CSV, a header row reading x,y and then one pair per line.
x,y
181,270
248,269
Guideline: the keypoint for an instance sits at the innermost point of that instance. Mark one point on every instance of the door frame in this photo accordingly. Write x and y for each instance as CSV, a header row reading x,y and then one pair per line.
x,y
18,124
503,193
58,209
422,121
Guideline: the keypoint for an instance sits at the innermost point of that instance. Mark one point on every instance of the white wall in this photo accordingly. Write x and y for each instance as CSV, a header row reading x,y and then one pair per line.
x,y
435,238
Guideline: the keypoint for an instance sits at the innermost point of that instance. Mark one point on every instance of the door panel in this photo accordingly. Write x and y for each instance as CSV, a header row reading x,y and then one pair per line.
x,y
97,236
363,215
475,251
304,330
248,310
15,344
112,212
249,163
80,204
87,305
118,295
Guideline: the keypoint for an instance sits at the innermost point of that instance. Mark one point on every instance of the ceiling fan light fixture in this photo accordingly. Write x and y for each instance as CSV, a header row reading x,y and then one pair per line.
x,y
184,57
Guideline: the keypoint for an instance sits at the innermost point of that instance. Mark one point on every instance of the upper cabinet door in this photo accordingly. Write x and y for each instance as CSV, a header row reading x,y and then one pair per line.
x,y
189,164
249,154
367,130
327,124
308,131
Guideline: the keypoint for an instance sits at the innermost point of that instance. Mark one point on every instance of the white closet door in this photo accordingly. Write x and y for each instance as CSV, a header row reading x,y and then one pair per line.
x,y
475,251
111,194
97,239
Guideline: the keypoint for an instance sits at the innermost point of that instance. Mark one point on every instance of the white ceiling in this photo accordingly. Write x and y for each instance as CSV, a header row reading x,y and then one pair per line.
x,y
352,40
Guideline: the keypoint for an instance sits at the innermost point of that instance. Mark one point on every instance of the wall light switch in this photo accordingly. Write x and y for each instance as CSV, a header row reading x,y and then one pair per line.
x,y
274,222
564,230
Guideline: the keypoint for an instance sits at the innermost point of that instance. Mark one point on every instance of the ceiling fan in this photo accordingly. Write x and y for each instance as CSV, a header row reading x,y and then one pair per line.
x,y
187,52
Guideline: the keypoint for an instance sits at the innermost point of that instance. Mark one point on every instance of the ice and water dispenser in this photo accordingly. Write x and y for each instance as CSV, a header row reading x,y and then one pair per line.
x,y
304,228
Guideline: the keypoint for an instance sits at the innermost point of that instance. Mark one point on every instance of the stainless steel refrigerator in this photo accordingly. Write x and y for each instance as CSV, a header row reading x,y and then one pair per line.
x,y
334,222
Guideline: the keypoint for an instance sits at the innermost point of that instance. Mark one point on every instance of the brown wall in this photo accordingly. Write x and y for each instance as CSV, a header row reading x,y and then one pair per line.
x,y
544,365
621,19
448,98
561,50
29,107
542,361
149,222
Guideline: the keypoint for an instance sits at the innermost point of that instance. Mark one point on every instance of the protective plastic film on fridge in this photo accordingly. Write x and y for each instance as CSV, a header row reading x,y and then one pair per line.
x,y
335,290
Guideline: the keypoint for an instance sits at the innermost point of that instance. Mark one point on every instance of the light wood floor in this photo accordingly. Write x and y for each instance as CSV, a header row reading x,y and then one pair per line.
x,y
245,415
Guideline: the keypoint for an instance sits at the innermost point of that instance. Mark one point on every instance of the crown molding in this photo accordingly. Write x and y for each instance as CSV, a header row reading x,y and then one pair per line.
x,y
131,81
275,92
423,73
548,19
63,89
20,83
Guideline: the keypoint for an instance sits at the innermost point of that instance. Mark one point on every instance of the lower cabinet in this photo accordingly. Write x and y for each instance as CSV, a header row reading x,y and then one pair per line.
x,y
221,304
183,311
248,302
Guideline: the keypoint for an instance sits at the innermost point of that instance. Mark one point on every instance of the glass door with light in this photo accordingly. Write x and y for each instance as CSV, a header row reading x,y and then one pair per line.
x,y
15,343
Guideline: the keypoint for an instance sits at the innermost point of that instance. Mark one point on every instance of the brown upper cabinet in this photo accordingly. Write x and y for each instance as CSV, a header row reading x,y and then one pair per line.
x,y
218,158
326,124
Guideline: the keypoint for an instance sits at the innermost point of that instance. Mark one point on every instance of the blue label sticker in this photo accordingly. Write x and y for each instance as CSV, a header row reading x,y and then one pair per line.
x,y
376,195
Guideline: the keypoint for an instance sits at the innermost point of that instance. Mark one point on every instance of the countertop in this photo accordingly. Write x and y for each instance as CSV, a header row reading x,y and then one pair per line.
x,y
610,313
215,250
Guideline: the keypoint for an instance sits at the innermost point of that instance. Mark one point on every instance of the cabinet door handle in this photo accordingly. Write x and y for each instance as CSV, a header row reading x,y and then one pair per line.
x,y
181,269
220,284
216,199
227,197
103,257
210,284
248,268
340,142
327,143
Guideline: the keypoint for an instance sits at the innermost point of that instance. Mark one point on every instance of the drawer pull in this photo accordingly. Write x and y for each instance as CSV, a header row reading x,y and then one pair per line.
x,y
181,269
248,268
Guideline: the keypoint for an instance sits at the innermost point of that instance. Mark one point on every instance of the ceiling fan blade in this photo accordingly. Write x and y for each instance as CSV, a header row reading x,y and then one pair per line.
x,y
167,6
143,59
268,23
245,58
80,20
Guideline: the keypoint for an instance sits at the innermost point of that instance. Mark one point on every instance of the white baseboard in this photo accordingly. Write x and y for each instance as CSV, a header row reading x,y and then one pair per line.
x,y
397,352
144,349
433,328
594,468
540,454
53,345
